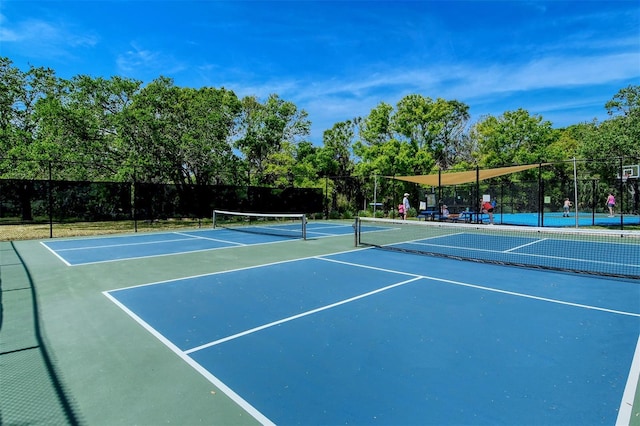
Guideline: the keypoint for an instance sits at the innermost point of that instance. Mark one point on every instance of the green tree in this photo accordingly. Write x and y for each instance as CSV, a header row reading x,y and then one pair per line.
x,y
435,126
626,102
182,135
151,134
375,153
209,124
335,163
264,127
19,123
376,128
305,167
412,121
20,130
516,137
449,121
334,157
83,128
614,139
278,171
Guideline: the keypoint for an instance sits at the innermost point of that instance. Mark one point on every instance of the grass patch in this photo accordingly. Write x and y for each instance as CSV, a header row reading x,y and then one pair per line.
x,y
80,229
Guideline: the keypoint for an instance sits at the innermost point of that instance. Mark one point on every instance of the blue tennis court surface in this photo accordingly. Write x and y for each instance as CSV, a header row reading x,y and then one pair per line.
x,y
557,220
377,337
106,249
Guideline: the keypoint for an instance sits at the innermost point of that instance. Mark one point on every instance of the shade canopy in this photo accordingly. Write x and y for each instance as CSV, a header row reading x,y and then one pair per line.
x,y
458,178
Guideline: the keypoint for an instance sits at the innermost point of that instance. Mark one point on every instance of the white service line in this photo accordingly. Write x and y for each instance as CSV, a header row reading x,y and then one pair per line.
x,y
209,239
300,315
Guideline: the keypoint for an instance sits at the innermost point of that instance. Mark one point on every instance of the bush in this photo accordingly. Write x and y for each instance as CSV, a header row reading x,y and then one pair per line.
x,y
334,214
347,215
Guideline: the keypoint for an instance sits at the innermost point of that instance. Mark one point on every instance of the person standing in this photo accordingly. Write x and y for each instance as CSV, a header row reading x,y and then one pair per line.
x,y
566,207
487,208
611,203
405,204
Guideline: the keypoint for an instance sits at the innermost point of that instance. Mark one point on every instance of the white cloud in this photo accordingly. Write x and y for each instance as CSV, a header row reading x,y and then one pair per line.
x,y
552,73
7,34
335,100
44,39
138,60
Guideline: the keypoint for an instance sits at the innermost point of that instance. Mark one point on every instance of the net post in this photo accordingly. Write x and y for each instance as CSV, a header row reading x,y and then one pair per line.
x,y
304,227
213,220
356,233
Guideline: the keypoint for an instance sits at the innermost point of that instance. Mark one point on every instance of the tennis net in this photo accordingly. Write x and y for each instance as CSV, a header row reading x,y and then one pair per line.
x,y
600,252
284,225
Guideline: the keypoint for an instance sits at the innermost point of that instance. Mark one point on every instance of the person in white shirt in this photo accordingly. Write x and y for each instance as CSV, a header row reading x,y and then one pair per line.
x,y
405,203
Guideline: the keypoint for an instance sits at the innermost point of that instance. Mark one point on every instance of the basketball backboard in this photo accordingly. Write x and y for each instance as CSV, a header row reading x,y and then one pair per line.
x,y
631,171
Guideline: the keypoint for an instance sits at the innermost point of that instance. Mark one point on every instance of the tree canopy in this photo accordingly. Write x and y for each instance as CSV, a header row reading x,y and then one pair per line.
x,y
123,129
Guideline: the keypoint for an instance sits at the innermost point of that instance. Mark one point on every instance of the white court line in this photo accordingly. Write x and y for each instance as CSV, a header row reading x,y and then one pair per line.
x,y
279,262
323,234
210,239
630,390
327,226
415,277
178,253
495,290
189,237
526,245
206,373
626,405
55,254
300,315
122,259
142,243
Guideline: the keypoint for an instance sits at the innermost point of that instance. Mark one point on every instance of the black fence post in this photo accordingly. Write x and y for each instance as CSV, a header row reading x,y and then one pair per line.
x,y
50,201
134,206
478,201
621,192
540,197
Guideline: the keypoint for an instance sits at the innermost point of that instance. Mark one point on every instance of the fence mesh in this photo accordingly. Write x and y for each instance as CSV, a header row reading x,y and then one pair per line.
x,y
540,190
39,201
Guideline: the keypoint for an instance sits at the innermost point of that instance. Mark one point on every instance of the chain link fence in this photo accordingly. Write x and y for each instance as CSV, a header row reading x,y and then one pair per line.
x,y
540,191
48,200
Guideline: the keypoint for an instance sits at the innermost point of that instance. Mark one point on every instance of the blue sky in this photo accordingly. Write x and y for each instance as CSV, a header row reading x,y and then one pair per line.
x,y
337,60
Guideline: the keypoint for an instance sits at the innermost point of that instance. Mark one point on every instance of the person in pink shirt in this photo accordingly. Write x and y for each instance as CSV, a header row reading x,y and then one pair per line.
x,y
611,203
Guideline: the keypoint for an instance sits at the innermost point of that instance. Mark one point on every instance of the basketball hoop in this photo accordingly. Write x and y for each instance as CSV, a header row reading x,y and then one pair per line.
x,y
629,172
